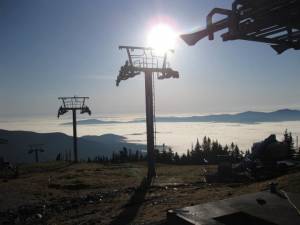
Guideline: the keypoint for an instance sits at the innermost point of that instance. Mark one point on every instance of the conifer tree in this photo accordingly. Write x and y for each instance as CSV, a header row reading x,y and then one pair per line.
x,y
288,140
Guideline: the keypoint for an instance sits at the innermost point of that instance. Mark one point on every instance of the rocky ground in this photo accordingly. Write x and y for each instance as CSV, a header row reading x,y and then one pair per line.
x,y
89,193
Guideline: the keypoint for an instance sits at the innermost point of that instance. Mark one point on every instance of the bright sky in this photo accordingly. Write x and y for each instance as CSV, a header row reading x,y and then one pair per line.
x,y
70,47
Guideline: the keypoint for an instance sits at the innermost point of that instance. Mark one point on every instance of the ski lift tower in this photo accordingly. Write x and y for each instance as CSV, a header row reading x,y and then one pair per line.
x,y
36,148
147,61
73,104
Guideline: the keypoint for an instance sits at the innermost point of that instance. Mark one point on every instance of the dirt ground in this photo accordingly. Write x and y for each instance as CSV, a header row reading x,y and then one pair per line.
x,y
90,193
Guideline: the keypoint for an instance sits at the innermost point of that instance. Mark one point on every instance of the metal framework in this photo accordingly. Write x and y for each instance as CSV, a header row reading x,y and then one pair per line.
x,y
36,148
73,104
275,22
145,60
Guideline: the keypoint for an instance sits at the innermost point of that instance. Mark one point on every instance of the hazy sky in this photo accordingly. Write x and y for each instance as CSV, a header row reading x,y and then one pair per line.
x,y
65,48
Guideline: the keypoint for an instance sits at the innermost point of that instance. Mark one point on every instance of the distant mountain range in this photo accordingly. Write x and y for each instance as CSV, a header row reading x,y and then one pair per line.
x,y
244,117
91,121
88,146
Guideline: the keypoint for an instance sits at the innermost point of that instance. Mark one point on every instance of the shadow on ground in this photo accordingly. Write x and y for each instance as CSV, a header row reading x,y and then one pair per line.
x,y
132,207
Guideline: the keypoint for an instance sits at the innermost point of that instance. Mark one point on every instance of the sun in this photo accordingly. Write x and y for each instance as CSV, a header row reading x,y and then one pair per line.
x,y
161,38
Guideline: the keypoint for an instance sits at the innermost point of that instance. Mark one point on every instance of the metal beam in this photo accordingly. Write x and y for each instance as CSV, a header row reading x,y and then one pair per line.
x,y
255,20
75,136
149,124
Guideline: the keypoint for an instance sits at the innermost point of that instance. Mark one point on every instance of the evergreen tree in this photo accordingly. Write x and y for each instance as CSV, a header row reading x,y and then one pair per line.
x,y
197,154
176,158
197,146
188,156
184,159
170,155
288,140
236,153
226,150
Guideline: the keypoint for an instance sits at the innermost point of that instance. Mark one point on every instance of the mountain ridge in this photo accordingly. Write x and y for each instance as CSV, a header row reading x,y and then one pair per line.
x,y
88,146
281,115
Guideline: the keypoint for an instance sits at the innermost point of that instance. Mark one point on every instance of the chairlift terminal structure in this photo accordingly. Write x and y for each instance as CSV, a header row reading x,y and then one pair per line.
x,y
275,22
73,104
147,61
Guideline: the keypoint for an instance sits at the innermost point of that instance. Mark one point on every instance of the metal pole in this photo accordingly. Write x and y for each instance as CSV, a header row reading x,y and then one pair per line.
x,y
75,136
149,121
36,155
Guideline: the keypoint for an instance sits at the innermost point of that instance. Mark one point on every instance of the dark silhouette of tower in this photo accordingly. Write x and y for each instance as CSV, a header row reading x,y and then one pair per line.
x,y
273,22
36,149
73,104
145,60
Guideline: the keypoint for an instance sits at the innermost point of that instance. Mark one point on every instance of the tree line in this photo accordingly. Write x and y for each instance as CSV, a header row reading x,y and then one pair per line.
x,y
207,152
289,141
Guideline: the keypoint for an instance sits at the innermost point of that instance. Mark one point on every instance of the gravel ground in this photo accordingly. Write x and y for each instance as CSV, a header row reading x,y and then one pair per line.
x,y
88,193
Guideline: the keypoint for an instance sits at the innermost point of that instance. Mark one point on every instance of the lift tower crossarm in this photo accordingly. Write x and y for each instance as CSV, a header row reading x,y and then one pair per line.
x,y
268,21
145,61
79,102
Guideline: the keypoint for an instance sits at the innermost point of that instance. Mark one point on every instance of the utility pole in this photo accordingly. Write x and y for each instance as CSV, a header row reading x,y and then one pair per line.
x,y
73,104
145,60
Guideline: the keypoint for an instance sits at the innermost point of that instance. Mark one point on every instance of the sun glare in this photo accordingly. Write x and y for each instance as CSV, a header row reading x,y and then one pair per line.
x,y
161,38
